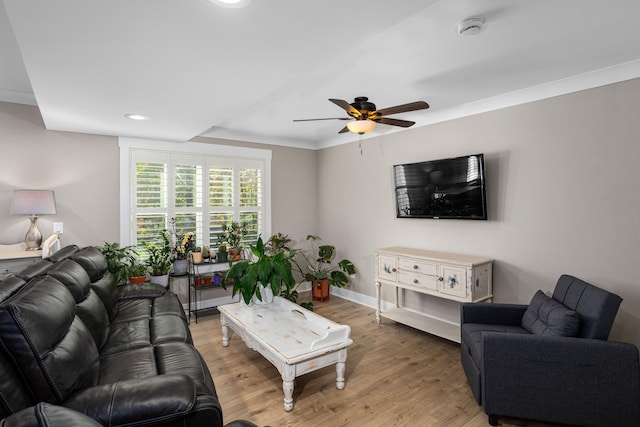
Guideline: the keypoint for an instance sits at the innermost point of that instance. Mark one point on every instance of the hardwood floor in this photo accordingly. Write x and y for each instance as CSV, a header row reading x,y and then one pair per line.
x,y
395,376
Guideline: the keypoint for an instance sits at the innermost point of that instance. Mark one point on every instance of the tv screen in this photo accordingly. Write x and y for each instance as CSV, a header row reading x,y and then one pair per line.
x,y
447,189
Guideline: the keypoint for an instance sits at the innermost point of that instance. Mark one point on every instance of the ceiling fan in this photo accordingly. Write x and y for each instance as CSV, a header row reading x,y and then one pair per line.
x,y
363,115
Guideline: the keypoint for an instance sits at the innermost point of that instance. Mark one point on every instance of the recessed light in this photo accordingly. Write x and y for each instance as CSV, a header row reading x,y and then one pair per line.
x,y
136,116
231,3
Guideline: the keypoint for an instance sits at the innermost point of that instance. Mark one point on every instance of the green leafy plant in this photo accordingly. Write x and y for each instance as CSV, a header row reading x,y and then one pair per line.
x,y
319,265
160,256
279,242
269,269
233,233
118,260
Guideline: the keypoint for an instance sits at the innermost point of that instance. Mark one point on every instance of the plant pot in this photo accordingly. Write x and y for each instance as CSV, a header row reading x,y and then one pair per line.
x,y
234,255
320,289
217,279
137,280
180,267
207,281
198,281
196,257
162,280
223,256
266,293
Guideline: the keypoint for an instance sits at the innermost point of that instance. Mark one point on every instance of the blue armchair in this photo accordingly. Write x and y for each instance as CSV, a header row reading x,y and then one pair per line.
x,y
550,360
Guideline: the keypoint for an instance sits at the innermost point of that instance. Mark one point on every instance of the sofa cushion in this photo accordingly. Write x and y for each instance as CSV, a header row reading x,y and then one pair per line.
x,y
38,268
545,316
54,360
92,260
596,307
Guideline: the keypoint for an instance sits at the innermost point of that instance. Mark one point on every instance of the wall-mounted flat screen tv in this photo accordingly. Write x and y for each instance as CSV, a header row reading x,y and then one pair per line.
x,y
447,188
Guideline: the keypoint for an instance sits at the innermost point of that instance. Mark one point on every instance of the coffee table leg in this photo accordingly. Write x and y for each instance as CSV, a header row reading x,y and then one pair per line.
x,y
340,368
288,382
225,331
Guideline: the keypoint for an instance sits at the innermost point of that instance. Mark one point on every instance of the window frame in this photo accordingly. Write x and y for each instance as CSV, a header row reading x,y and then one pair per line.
x,y
159,149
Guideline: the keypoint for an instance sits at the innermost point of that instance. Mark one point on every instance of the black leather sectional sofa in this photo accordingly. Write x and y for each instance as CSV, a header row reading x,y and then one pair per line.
x,y
73,344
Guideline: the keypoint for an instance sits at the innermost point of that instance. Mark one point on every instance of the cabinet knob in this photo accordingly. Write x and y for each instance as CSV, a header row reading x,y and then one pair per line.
x,y
394,269
441,279
415,267
415,281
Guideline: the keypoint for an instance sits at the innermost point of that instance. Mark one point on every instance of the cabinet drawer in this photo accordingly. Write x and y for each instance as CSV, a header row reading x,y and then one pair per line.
x,y
416,266
387,268
418,280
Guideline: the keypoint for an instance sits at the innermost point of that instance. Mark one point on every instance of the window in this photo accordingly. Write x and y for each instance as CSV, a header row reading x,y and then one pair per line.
x,y
202,186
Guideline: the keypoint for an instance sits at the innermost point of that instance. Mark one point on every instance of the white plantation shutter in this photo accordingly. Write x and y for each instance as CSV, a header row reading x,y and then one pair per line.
x,y
201,190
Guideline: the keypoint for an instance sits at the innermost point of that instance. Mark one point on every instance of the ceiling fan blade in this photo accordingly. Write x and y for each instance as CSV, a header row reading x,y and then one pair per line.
x,y
412,106
328,118
394,122
346,107
344,130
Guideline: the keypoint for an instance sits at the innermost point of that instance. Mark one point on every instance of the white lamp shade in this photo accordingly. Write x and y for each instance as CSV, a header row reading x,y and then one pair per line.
x,y
33,202
361,126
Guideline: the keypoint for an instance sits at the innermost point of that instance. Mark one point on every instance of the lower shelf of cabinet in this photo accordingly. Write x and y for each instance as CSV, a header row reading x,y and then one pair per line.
x,y
423,322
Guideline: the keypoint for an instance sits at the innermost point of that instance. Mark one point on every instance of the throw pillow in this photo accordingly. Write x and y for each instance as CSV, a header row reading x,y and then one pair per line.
x,y
545,316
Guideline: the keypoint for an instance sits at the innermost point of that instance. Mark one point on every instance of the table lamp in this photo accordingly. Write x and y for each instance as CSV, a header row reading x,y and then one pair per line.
x,y
33,203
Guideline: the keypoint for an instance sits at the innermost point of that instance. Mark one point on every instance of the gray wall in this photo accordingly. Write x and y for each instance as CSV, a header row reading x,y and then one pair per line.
x,y
563,193
83,171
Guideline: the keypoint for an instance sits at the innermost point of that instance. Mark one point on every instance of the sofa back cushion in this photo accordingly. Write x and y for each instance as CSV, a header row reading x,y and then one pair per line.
x,y
45,340
64,253
89,306
92,260
38,268
10,286
596,307
544,316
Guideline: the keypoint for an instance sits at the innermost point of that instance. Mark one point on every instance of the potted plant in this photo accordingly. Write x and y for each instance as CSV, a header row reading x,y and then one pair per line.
x,y
321,272
196,255
160,259
261,276
232,234
136,270
117,260
223,255
206,279
182,246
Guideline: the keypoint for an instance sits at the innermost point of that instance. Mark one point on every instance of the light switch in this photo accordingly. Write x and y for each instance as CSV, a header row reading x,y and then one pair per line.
x,y
58,227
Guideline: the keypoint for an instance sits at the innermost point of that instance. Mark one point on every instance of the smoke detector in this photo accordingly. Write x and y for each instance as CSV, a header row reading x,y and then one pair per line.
x,y
471,26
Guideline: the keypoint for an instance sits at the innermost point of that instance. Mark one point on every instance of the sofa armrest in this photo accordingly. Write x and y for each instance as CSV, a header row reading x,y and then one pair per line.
x,y
48,415
136,401
144,290
559,379
492,314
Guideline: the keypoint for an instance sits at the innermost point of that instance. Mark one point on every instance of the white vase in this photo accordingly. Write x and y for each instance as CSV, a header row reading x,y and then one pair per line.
x,y
180,267
160,280
266,293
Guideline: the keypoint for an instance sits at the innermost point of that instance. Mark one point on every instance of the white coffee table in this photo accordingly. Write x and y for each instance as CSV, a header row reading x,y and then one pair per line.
x,y
296,341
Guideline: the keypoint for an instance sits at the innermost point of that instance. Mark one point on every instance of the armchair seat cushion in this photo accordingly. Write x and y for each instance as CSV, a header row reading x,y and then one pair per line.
x,y
545,316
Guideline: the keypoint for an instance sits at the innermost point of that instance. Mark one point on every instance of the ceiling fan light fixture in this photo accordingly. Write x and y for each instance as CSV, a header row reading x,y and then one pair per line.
x,y
231,3
361,126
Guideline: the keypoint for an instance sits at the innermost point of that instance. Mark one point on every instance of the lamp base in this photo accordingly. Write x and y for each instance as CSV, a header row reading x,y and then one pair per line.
x,y
33,238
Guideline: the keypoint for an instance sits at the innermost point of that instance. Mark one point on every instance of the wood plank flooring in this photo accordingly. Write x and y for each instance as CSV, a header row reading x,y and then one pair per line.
x,y
395,376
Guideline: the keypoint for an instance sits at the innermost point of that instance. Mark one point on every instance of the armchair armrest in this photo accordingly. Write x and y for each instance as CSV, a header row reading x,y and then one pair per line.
x,y
558,379
137,401
492,314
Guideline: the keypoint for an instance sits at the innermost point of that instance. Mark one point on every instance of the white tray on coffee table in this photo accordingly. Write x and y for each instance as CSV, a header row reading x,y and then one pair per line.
x,y
295,340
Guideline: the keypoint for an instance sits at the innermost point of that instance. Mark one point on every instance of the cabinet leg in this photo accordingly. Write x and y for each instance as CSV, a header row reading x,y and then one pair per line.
x,y
378,296
340,368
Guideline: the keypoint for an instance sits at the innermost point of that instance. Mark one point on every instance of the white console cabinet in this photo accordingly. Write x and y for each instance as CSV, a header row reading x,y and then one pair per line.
x,y
454,277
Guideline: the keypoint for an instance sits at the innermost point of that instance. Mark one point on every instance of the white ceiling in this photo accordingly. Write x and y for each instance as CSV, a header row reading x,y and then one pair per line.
x,y
196,68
